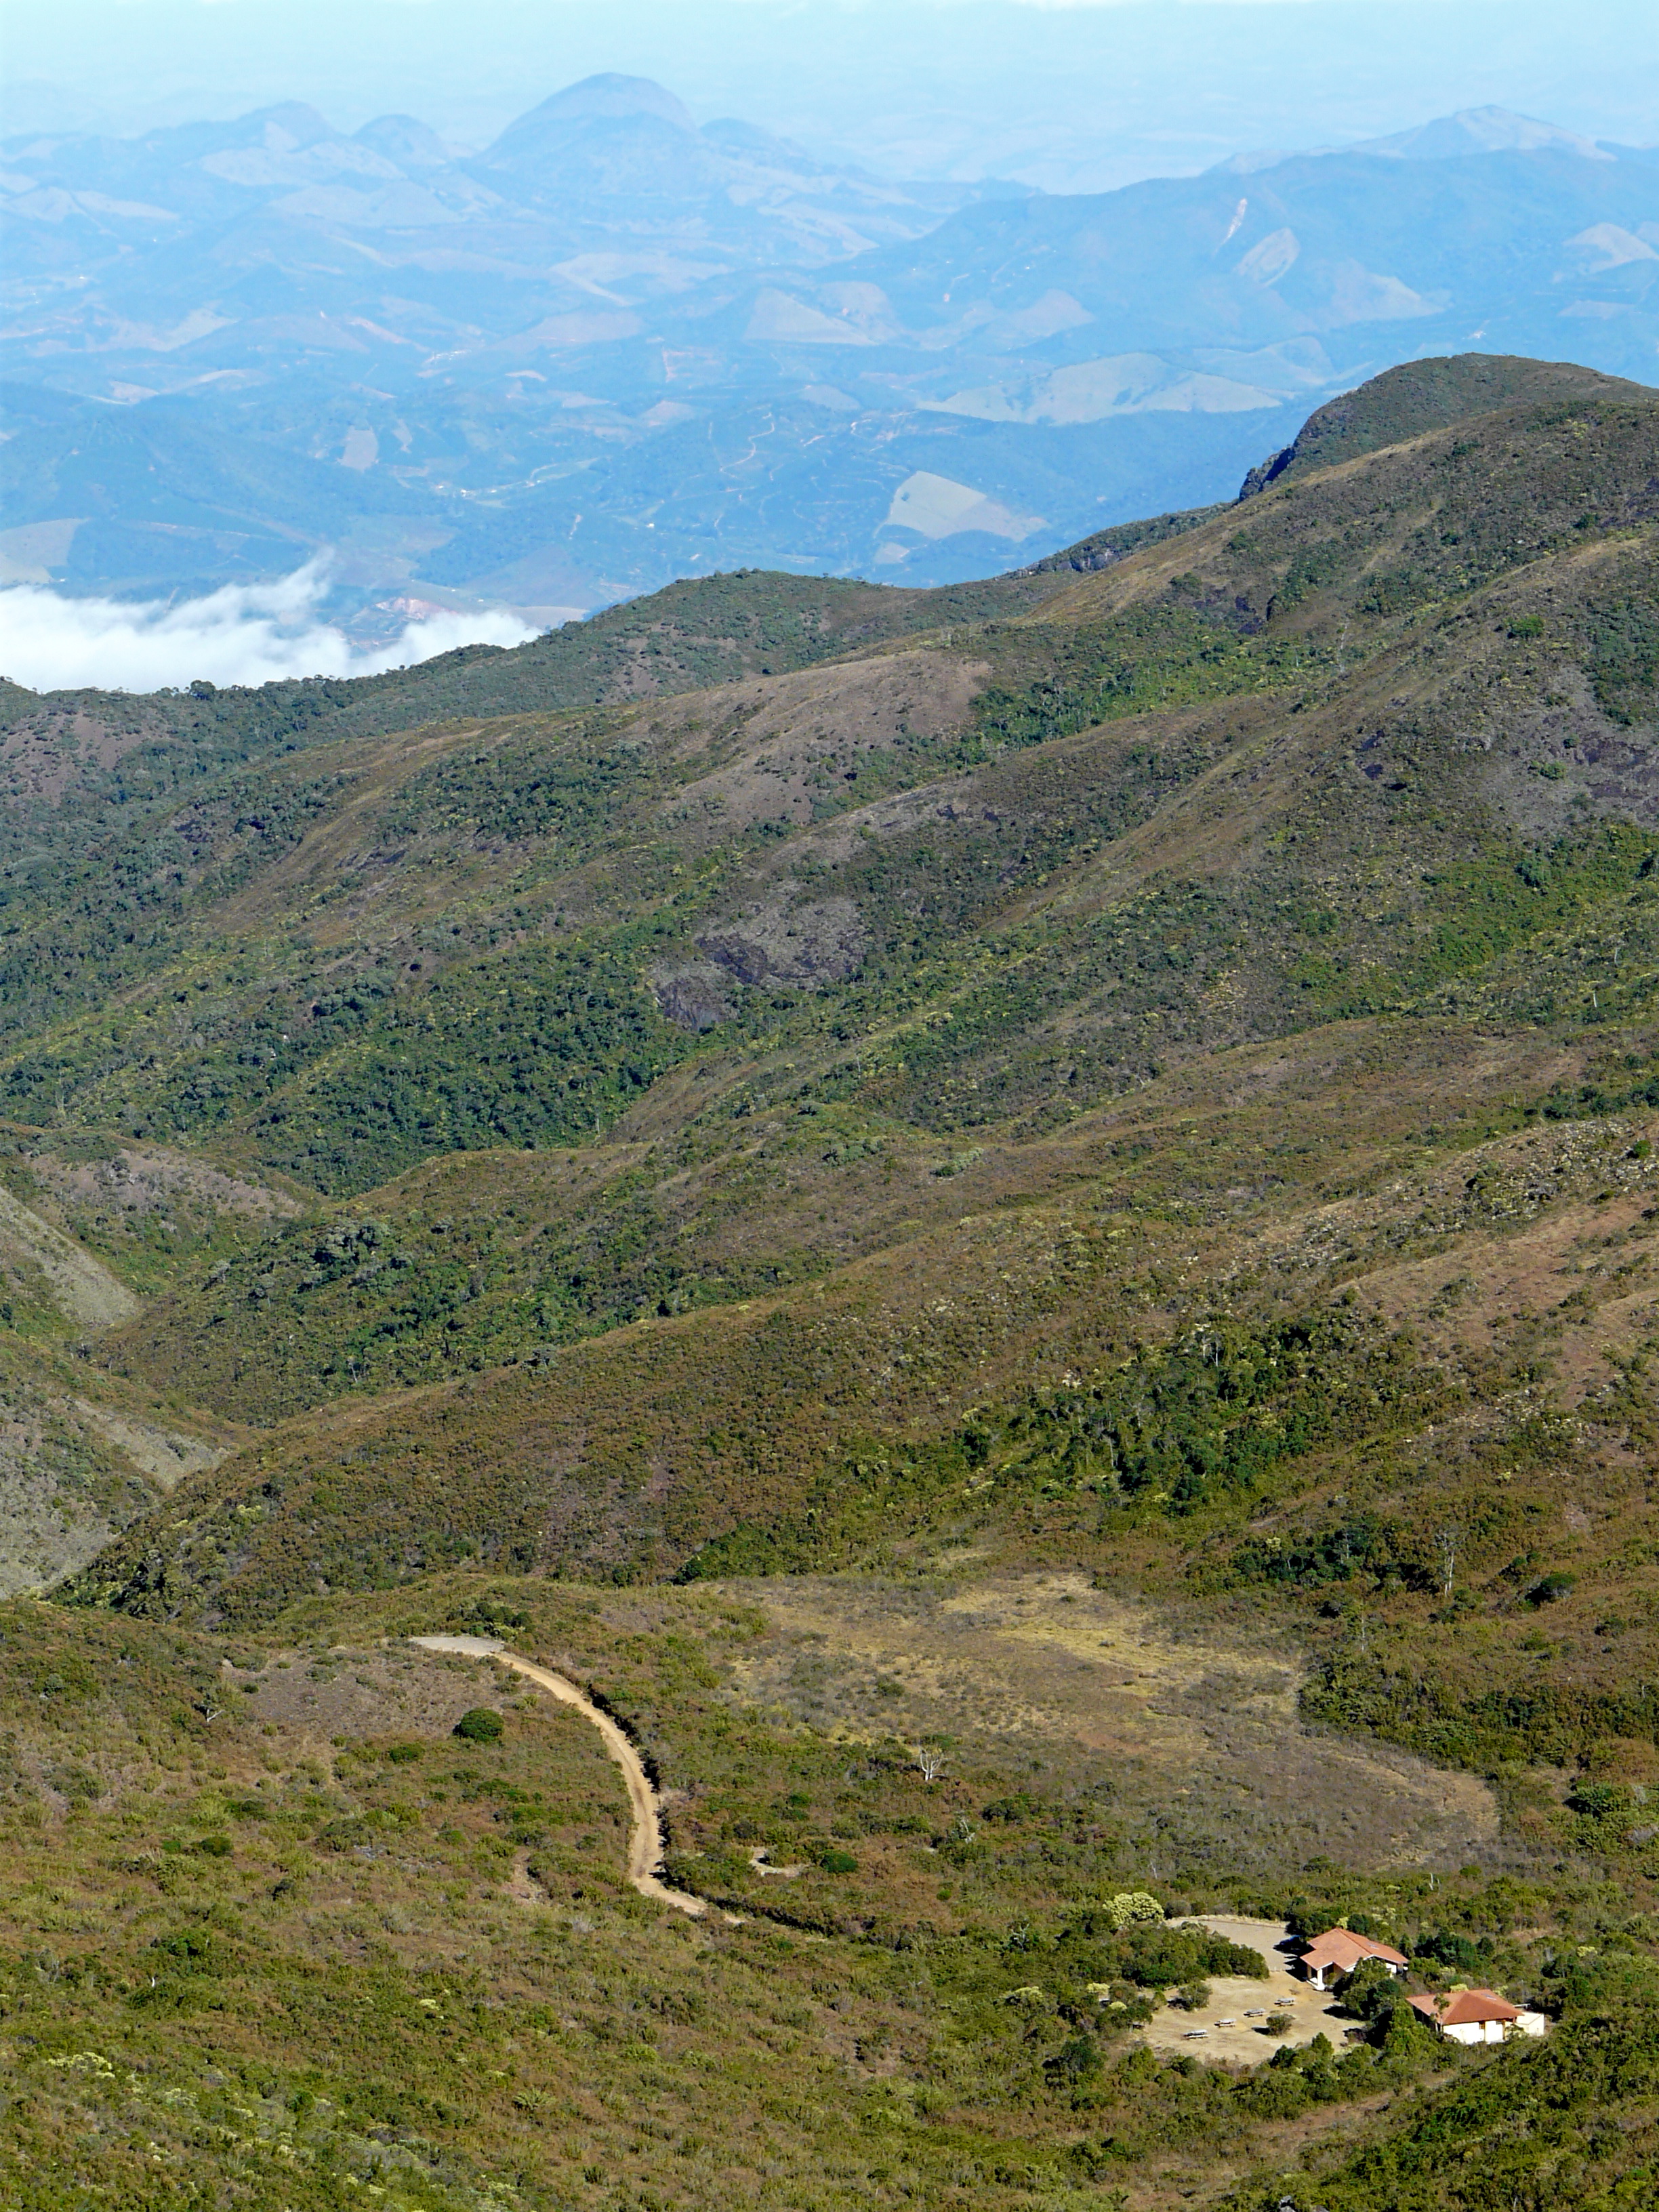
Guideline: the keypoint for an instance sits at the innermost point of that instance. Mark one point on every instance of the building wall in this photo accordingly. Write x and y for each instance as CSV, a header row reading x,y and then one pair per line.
x,y
1493,2030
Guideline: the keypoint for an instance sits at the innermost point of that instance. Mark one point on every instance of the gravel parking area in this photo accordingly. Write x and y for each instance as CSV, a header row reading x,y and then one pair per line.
x,y
1243,2003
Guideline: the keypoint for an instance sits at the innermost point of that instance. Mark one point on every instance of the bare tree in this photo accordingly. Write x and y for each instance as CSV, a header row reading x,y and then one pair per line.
x,y
930,1759
1445,1550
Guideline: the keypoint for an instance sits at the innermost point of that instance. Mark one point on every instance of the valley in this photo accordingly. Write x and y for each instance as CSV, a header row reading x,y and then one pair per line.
x,y
1013,1224
613,347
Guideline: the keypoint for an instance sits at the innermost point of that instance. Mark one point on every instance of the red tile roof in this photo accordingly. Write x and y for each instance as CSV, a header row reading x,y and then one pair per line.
x,y
1466,2007
1341,1948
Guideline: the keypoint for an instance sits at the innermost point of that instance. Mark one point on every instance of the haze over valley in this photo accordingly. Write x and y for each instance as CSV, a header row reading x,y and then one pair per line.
x,y
614,348
828,1130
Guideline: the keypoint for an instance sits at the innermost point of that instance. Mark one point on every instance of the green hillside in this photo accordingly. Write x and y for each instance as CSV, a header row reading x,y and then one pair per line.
x,y
1060,1175
1421,396
79,762
276,1931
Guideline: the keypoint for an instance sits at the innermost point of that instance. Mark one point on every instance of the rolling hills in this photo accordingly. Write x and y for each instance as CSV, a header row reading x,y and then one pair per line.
x,y
1061,1169
845,977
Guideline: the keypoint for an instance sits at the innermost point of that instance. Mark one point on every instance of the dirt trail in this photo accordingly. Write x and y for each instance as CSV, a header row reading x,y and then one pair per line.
x,y
645,1843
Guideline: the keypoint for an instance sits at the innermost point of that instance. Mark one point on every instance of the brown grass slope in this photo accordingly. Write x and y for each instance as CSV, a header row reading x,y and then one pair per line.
x,y
1348,1081
1138,1252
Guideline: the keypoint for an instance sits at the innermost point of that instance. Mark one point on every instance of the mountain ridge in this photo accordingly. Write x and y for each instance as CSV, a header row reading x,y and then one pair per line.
x,y
1019,1223
789,926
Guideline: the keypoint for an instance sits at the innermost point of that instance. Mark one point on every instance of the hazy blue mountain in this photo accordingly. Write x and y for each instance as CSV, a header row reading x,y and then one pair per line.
x,y
613,347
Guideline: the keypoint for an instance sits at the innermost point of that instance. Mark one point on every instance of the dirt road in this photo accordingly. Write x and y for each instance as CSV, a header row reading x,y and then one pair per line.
x,y
645,1843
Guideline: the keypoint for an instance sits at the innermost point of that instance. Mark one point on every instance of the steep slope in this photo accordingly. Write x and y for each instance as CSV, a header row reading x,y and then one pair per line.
x,y
80,1455
765,864
1282,867
1030,1245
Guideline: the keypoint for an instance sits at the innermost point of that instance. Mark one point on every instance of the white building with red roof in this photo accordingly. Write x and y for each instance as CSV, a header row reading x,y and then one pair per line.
x,y
1339,1951
1477,2017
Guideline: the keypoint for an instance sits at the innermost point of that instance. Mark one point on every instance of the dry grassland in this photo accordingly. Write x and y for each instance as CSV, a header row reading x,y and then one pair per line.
x,y
1181,1713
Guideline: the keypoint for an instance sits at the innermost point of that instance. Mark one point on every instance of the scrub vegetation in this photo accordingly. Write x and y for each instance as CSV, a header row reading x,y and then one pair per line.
x,y
1019,1223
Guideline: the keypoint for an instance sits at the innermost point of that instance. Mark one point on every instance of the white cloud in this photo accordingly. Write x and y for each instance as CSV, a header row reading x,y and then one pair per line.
x,y
245,633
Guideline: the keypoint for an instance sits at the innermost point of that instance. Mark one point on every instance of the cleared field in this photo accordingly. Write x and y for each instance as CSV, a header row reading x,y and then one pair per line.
x,y
1230,2023
1185,1714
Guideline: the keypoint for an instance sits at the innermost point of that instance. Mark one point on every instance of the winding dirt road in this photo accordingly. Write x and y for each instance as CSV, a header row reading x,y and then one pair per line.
x,y
645,1843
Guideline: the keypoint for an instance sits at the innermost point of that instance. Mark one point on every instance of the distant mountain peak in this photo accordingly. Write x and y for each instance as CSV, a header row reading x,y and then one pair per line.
x,y
405,140
1481,130
290,122
608,98
1446,138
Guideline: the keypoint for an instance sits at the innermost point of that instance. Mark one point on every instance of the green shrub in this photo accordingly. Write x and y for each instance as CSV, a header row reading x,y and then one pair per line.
x,y
1076,2060
1132,1907
1368,1993
481,1724
1160,1957
1601,1801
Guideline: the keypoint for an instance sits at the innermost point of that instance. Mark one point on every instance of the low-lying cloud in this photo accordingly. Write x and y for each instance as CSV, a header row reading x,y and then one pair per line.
x,y
245,633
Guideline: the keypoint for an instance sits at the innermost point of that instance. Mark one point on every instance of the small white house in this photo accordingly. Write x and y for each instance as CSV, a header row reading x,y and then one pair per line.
x,y
1479,2016
1339,1951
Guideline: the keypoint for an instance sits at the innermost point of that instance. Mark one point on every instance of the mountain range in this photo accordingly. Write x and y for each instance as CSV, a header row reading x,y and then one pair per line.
x,y
1015,1222
614,348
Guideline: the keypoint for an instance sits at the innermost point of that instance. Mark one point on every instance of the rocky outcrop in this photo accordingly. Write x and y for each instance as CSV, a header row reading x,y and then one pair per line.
x,y
822,941
695,995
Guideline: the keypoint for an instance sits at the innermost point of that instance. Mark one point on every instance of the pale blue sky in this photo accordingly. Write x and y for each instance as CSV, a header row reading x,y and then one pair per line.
x,y
1070,94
